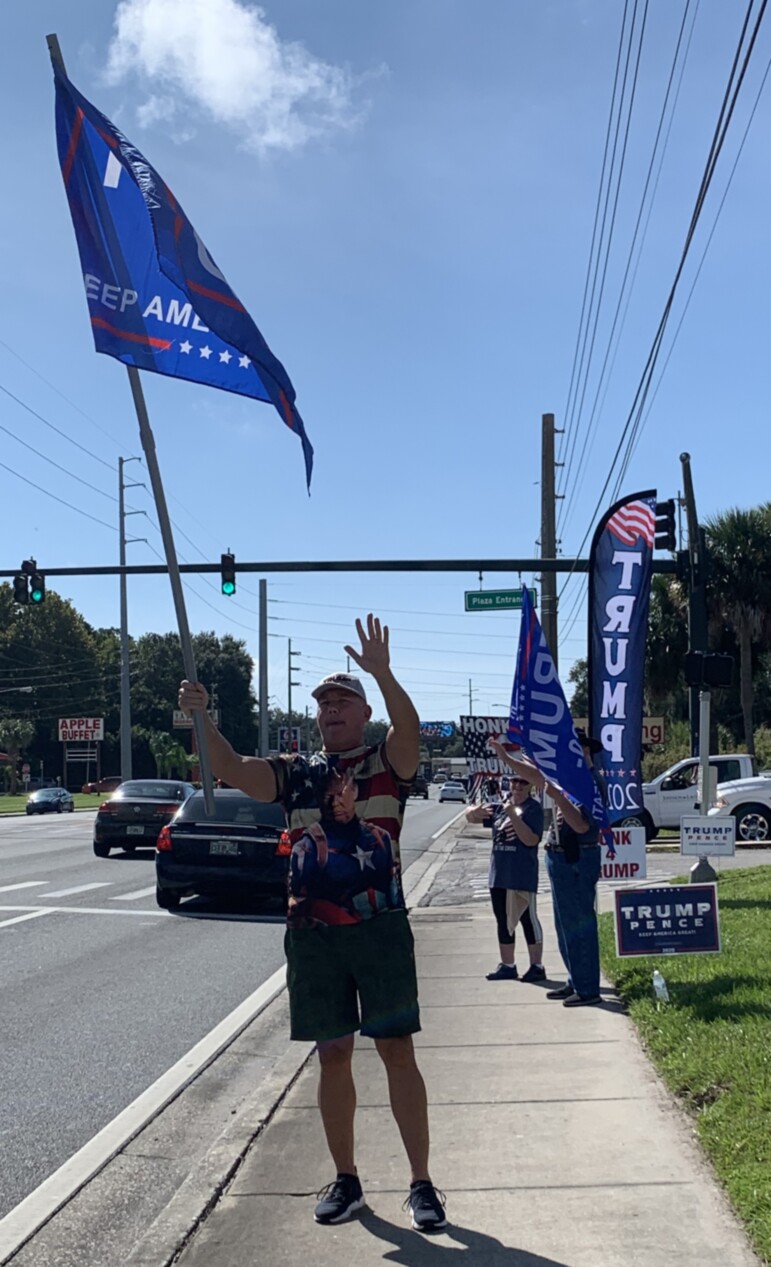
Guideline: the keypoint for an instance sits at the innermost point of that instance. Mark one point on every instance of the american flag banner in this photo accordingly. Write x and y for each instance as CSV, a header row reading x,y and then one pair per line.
x,y
620,567
634,520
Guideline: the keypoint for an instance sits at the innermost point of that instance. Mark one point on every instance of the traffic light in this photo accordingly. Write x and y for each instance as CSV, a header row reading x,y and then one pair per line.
x,y
228,570
37,588
666,538
20,591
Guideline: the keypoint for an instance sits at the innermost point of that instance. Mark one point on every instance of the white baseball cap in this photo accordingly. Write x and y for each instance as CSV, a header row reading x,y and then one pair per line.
x,y
340,682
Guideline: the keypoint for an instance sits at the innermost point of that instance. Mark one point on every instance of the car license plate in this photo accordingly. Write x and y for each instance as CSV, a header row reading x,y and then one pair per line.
x,y
135,829
229,847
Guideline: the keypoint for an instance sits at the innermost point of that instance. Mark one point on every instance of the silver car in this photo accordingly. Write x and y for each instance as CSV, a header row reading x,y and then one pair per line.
x,y
452,791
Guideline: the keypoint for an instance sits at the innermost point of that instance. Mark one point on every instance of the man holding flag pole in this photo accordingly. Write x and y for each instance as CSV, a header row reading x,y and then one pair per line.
x,y
559,762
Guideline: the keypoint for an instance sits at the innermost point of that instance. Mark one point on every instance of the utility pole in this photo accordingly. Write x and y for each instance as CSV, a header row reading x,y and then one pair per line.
x,y
289,685
126,765
698,628
263,670
548,535
470,699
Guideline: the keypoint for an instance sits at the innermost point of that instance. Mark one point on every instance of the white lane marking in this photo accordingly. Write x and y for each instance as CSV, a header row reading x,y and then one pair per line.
x,y
24,884
30,1214
81,888
85,910
132,897
20,918
437,834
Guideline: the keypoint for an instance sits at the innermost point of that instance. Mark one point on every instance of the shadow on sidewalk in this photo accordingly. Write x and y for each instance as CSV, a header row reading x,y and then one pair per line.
x,y
414,1249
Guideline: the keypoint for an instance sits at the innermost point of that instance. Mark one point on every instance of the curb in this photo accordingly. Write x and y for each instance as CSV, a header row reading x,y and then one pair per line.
x,y
171,1231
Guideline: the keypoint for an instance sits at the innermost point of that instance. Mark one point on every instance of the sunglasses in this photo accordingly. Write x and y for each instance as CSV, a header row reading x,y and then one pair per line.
x,y
521,782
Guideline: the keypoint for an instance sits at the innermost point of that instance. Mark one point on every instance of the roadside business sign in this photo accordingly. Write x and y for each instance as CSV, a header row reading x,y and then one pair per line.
x,y
183,721
81,729
677,919
496,600
630,862
437,729
702,836
652,728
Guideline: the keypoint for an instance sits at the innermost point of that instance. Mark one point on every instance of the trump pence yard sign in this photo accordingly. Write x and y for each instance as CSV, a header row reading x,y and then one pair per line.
x,y
676,919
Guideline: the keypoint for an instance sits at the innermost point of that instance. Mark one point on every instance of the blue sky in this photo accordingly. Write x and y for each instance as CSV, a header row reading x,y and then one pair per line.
x,y
403,196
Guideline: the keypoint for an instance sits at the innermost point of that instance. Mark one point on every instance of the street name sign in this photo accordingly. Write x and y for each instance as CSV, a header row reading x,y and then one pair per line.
x,y
496,600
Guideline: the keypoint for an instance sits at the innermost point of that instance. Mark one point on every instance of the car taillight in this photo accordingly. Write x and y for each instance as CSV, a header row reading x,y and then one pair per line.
x,y
163,810
107,807
163,843
284,846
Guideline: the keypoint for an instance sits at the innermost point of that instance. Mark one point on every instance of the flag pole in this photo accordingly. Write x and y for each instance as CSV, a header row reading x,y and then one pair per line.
x,y
148,445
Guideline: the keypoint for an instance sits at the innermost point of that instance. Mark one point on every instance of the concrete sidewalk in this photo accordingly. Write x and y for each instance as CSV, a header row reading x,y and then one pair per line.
x,y
554,1141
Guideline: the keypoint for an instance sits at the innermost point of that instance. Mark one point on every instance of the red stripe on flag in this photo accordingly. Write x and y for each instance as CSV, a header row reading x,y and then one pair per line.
x,y
109,140
287,408
230,300
69,157
161,344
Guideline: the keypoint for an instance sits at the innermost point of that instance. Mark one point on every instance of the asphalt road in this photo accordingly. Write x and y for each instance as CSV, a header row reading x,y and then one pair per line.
x,y
101,992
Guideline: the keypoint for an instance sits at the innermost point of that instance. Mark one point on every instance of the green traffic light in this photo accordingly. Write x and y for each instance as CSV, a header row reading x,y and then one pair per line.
x,y
228,587
36,595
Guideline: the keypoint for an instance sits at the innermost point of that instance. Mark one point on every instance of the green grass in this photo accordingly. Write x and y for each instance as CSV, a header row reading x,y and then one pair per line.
x,y
18,804
712,1042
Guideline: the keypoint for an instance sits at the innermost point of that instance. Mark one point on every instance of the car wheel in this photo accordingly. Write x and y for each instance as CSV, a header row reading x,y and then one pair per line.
x,y
167,899
643,819
72,808
753,824
101,849
58,807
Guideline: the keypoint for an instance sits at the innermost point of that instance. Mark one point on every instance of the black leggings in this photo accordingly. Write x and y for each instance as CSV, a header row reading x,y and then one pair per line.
x,y
505,938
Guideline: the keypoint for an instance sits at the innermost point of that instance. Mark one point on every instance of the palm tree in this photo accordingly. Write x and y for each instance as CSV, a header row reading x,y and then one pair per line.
x,y
15,734
739,590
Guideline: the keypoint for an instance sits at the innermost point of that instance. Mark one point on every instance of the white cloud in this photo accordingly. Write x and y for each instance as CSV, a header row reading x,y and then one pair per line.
x,y
224,59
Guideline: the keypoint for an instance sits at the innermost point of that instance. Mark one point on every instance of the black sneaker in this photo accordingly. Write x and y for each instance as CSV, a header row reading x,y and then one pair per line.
x,y
339,1200
564,992
582,1000
504,972
426,1206
536,972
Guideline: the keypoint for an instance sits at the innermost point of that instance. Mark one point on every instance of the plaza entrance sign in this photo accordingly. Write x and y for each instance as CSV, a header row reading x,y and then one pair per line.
x,y
496,600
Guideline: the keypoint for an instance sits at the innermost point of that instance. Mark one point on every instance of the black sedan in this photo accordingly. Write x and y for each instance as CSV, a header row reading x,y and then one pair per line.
x,y
243,850
50,800
137,812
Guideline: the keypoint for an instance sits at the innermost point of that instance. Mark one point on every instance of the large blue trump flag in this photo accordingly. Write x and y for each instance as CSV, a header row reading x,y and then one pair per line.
x,y
620,566
541,724
156,298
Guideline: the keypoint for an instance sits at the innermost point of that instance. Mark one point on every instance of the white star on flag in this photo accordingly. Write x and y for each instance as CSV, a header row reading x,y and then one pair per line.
x,y
244,362
226,357
185,347
205,352
363,858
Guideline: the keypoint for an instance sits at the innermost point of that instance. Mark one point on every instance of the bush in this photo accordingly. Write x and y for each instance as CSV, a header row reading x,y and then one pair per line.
x,y
677,746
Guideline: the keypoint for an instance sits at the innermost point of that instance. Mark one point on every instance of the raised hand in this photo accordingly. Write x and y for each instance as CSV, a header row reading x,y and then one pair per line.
x,y
374,656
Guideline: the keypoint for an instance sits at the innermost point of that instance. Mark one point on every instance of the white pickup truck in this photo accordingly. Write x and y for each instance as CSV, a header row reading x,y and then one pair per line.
x,y
676,791
749,801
